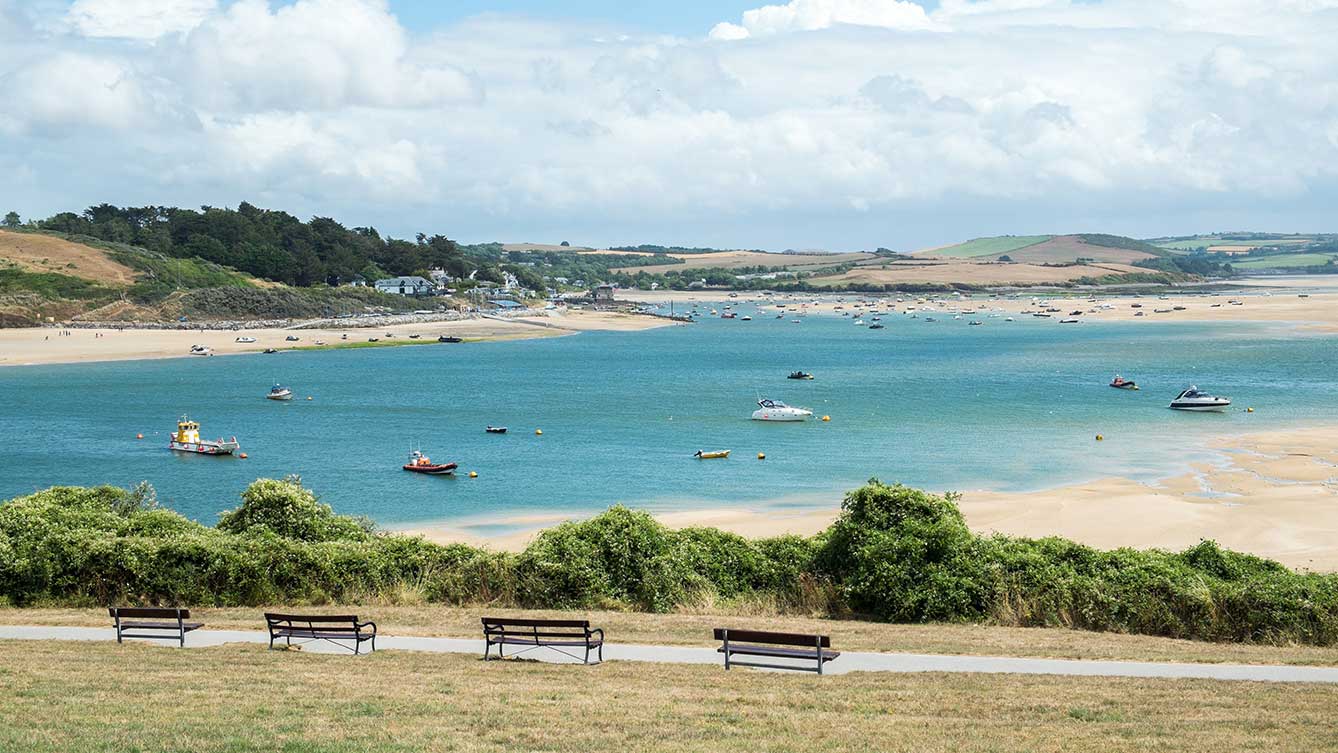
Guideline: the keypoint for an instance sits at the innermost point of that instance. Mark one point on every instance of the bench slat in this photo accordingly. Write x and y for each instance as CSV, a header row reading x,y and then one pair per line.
x,y
788,653
150,612
761,636
324,635
515,642
136,625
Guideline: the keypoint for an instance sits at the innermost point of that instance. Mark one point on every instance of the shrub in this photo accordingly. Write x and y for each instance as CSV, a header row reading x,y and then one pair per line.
x,y
895,553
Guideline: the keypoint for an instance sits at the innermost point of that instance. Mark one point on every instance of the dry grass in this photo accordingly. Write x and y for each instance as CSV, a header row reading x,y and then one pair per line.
x,y
104,697
45,253
695,629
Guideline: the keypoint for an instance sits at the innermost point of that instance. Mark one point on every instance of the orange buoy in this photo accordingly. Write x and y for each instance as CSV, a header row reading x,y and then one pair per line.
x,y
242,456
139,436
1099,437
826,418
473,474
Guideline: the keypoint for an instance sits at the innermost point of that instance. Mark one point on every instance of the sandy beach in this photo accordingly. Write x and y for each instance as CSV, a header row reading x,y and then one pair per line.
x,y
1309,303
45,345
1275,494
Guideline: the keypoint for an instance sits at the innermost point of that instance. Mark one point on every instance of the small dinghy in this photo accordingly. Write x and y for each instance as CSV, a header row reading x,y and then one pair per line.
x,y
1120,383
704,455
495,429
420,463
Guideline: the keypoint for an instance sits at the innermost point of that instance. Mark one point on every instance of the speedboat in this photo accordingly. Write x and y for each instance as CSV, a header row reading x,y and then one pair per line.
x,y
799,375
201,350
280,392
420,463
775,410
495,429
291,338
875,326
1193,399
704,455
245,339
1120,383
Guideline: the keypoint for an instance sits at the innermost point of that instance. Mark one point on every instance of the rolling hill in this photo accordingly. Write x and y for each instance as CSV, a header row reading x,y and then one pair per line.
x,y
1050,249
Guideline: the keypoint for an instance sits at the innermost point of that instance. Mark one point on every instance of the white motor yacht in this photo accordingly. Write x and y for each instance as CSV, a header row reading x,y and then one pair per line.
x,y
1193,399
775,410
280,392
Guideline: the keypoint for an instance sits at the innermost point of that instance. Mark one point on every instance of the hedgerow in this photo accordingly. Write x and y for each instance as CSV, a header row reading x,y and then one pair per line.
x,y
895,554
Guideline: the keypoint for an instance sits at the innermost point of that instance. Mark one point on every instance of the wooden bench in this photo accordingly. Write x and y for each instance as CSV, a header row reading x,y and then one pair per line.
x,y
815,648
165,623
554,634
320,627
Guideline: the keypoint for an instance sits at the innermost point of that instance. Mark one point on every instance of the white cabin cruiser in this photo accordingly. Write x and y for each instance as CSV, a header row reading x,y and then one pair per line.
x,y
280,392
775,410
1193,399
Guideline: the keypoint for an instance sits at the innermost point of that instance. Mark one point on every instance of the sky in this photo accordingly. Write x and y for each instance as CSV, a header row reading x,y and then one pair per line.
x,y
834,124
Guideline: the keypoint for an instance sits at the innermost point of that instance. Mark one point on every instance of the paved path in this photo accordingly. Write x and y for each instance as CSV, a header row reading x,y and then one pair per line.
x,y
850,661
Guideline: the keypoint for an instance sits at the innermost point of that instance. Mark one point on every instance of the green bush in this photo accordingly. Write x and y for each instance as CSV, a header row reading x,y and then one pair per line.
x,y
895,553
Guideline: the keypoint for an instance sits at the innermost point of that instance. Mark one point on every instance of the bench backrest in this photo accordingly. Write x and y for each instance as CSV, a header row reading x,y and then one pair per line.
x,y
149,612
778,639
310,619
525,622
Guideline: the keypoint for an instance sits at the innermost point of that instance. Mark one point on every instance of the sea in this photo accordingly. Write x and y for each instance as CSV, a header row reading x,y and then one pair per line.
x,y
1007,406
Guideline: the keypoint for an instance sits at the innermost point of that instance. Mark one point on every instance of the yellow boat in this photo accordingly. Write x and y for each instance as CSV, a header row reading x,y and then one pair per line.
x,y
701,455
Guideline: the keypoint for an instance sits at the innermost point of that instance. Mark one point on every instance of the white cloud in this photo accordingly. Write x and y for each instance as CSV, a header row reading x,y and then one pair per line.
x,y
811,15
137,19
498,127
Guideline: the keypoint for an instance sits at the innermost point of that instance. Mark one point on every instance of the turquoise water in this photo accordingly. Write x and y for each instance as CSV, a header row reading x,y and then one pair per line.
x,y
1005,406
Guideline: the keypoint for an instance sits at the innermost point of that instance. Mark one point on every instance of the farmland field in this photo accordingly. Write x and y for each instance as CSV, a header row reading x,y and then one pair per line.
x,y
1068,248
1284,261
970,273
1001,244
1210,241
735,259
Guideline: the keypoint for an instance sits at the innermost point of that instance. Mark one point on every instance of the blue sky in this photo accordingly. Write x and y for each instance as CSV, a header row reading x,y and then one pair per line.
x,y
689,17
839,124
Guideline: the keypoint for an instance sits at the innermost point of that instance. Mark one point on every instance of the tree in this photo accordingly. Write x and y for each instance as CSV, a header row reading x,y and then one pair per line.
x,y
566,244
12,220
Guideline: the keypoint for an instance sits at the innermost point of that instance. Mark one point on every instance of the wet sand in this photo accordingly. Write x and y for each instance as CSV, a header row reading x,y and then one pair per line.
x,y
1275,494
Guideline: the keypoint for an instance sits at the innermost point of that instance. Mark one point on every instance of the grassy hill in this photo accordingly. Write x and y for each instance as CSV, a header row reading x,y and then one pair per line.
x,y
986,247
46,275
1253,252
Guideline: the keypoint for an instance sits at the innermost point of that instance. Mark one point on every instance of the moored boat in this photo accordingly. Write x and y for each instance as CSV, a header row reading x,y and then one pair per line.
x,y
711,455
279,392
495,429
1194,400
420,463
1120,383
448,339
201,350
187,439
799,375
775,410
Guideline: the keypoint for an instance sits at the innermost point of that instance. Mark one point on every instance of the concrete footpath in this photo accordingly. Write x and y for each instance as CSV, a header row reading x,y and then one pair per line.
x,y
849,661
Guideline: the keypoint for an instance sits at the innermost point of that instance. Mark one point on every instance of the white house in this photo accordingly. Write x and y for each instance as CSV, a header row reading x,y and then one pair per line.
x,y
410,285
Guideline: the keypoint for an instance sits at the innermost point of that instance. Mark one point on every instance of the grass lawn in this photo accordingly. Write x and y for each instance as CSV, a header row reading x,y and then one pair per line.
x,y
103,697
695,629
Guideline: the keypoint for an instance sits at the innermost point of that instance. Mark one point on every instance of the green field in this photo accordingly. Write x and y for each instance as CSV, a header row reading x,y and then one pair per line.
x,y
1000,244
1284,261
1205,241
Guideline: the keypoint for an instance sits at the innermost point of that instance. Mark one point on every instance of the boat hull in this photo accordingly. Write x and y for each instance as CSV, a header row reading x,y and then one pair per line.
x,y
1201,407
445,469
204,448
288,396
771,415
712,455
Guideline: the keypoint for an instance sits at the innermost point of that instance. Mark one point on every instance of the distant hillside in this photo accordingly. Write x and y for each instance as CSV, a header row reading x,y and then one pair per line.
x,y
1050,249
50,276
1260,253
